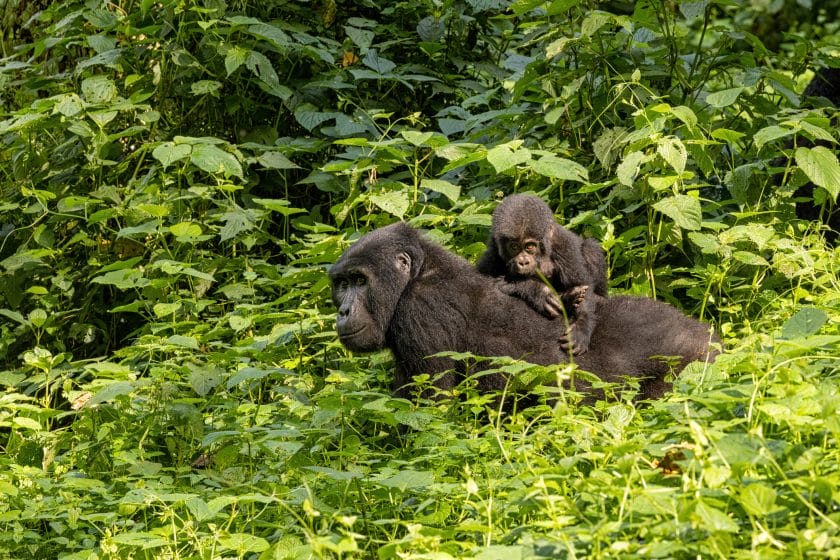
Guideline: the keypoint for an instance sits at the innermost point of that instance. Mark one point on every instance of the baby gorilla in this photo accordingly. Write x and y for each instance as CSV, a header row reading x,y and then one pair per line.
x,y
526,244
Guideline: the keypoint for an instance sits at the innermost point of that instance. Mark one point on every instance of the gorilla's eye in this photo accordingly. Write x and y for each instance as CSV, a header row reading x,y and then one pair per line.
x,y
360,280
531,248
513,247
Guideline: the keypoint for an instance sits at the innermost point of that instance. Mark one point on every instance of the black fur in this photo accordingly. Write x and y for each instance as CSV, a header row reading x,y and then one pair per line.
x,y
396,289
562,257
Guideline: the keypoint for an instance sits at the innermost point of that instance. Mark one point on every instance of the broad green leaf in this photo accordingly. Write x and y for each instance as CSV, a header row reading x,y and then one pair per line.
x,y
361,37
140,539
205,379
821,166
98,89
278,205
239,323
69,104
629,168
685,114
395,203
713,520
185,229
758,499
243,543
708,244
205,87
770,133
309,117
276,160
450,191
165,310
211,159
408,479
123,279
235,57
504,157
26,423
673,151
805,322
183,341
377,63
608,145
684,210
169,152
749,258
560,168
724,98
272,34
111,391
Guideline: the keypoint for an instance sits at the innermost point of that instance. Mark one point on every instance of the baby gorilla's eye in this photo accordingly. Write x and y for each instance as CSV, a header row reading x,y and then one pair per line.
x,y
360,280
513,247
532,248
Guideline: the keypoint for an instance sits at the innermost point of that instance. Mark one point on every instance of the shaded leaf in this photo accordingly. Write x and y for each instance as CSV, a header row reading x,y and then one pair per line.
x,y
684,210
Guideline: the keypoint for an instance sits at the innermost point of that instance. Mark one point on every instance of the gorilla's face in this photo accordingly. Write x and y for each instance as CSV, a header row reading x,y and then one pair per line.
x,y
367,282
522,256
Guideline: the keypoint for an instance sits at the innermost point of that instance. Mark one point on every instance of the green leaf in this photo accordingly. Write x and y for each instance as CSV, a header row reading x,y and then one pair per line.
x,y
409,479
361,37
758,499
447,189
98,89
376,63
211,159
684,210
140,539
185,229
713,520
821,166
724,98
560,168
276,160
123,279
673,151
392,202
243,543
111,391
235,57
629,168
505,156
805,322
205,379
770,133
169,152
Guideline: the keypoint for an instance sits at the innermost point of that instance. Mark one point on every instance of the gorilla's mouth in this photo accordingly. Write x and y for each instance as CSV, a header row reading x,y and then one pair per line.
x,y
351,334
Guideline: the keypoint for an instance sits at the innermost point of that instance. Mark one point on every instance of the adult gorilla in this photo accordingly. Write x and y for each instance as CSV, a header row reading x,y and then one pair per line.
x,y
396,289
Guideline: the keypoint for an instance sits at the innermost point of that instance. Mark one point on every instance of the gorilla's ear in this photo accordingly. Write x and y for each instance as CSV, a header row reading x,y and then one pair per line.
x,y
409,264
404,262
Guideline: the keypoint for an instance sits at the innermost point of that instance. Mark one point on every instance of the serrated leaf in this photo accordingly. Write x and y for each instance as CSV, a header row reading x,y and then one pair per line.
x,y
770,133
183,341
629,168
243,543
392,202
805,322
447,189
673,151
758,499
714,520
211,159
123,279
821,166
504,157
684,210
235,57
169,152
560,168
110,392
607,147
750,258
724,98
98,89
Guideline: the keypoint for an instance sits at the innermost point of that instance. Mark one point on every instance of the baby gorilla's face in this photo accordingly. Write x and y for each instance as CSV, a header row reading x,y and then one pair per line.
x,y
522,256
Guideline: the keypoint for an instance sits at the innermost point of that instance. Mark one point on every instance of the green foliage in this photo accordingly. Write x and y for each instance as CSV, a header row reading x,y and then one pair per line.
x,y
176,177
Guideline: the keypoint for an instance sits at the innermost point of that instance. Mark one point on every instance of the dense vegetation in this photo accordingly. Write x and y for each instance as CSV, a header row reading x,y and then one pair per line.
x,y
176,177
